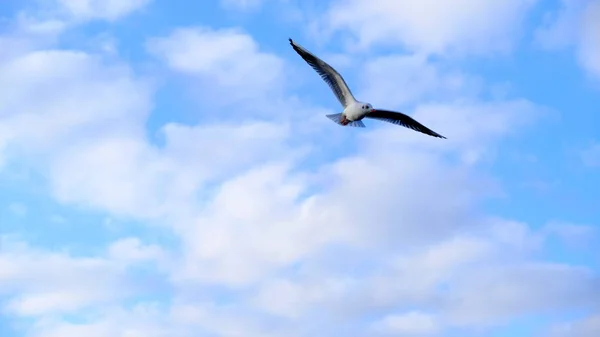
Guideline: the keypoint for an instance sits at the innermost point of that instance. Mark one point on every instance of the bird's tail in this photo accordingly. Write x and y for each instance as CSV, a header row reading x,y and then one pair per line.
x,y
337,118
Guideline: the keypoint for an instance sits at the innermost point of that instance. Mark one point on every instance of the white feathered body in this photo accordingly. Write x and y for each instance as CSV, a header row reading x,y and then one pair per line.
x,y
356,111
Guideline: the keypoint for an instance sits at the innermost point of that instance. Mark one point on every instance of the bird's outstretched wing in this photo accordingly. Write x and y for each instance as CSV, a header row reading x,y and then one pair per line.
x,y
403,120
330,76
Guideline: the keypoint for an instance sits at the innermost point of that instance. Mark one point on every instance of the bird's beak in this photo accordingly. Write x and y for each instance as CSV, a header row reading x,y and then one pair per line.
x,y
372,110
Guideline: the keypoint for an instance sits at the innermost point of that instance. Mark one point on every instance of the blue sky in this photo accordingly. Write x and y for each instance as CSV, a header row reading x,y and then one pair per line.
x,y
166,169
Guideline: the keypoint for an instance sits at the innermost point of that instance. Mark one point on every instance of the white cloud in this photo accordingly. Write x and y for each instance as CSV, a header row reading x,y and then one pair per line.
x,y
469,281
227,61
587,327
302,308
572,234
495,295
590,39
408,324
227,239
466,26
399,80
576,24
97,153
141,320
50,18
61,121
468,124
440,278
26,34
40,283
83,10
130,177
561,28
63,112
132,250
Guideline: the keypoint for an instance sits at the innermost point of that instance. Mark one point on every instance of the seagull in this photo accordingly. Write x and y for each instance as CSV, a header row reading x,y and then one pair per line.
x,y
355,111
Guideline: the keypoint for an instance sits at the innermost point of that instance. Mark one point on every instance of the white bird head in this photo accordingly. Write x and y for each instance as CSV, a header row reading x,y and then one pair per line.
x,y
366,107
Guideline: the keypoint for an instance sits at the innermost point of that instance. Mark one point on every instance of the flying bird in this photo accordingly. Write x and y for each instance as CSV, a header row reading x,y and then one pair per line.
x,y
355,111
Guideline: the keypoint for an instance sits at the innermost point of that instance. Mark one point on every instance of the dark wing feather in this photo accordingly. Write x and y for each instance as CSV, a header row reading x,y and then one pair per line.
x,y
328,74
399,118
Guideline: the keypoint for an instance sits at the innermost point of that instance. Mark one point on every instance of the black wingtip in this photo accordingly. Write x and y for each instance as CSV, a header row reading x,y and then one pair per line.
x,y
291,41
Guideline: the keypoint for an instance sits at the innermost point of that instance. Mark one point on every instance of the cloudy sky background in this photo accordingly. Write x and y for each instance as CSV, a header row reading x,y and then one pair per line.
x,y
166,169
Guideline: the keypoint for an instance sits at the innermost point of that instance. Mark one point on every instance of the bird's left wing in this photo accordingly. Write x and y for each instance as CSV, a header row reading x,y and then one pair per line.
x,y
328,74
399,118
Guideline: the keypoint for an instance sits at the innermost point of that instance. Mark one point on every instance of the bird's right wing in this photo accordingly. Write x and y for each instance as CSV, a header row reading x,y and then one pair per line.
x,y
399,118
330,76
